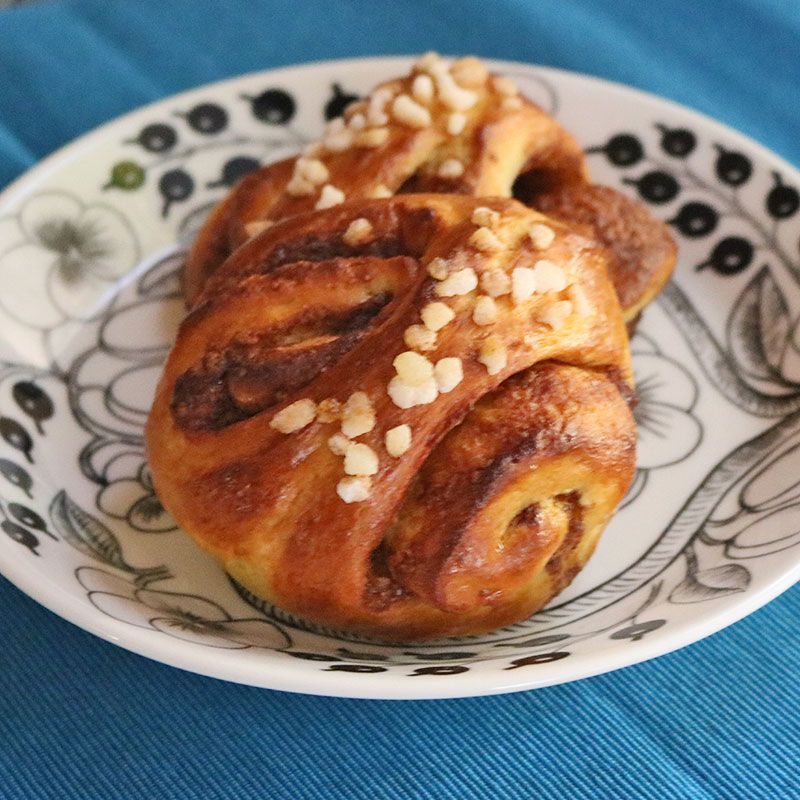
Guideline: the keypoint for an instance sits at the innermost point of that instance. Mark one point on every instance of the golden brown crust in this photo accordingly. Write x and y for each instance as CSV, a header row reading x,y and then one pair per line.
x,y
502,138
530,459
508,147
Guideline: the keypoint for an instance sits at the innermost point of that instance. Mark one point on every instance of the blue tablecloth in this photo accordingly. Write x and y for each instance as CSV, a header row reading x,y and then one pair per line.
x,y
80,718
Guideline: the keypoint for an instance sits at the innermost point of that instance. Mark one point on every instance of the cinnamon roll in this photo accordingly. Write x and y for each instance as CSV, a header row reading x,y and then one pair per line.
x,y
407,417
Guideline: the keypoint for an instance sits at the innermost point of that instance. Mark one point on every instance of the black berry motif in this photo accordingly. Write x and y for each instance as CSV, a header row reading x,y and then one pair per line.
x,y
731,167
339,102
694,220
452,669
656,186
16,436
312,656
730,256
20,535
157,138
362,668
208,118
126,175
782,200
622,150
640,629
344,652
442,656
665,181
273,106
234,169
539,658
16,475
677,142
34,401
27,516
538,641
175,186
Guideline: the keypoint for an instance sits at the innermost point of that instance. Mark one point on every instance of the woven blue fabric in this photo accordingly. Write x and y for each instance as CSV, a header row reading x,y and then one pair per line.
x,y
80,718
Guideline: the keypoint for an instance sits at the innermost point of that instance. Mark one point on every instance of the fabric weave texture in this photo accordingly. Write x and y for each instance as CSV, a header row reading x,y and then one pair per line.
x,y
80,718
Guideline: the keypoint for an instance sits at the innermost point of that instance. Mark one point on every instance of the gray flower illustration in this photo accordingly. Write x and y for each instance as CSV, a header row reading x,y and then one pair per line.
x,y
184,616
60,257
668,431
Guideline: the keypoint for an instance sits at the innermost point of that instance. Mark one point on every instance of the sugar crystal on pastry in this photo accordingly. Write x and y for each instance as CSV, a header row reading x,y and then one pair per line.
x,y
371,137
549,277
451,168
523,283
456,123
541,235
357,121
485,217
295,416
503,85
456,283
338,444
452,95
330,196
438,269
376,116
354,489
495,282
419,337
404,395
339,141
398,440
360,459
422,89
486,241
436,315
412,368
485,311
448,373
335,125
312,170
469,72
358,232
358,415
257,226
299,186
429,61
410,113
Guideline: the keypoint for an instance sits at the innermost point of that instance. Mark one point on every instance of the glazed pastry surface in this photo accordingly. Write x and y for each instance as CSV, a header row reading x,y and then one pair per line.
x,y
510,474
501,145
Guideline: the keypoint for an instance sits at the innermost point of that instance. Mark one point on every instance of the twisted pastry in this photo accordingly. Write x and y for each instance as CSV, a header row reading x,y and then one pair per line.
x,y
406,417
451,129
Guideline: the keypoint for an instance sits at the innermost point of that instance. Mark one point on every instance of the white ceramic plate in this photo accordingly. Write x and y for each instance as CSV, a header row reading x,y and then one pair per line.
x,y
90,244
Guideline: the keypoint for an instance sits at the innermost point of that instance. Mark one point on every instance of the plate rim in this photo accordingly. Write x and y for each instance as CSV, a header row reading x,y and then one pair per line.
x,y
284,676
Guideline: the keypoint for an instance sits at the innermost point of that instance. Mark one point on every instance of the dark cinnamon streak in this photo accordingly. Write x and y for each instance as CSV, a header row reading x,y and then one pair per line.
x,y
253,374
316,248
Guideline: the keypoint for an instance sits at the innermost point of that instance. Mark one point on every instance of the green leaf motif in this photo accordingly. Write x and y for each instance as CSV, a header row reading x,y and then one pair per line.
x,y
126,175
